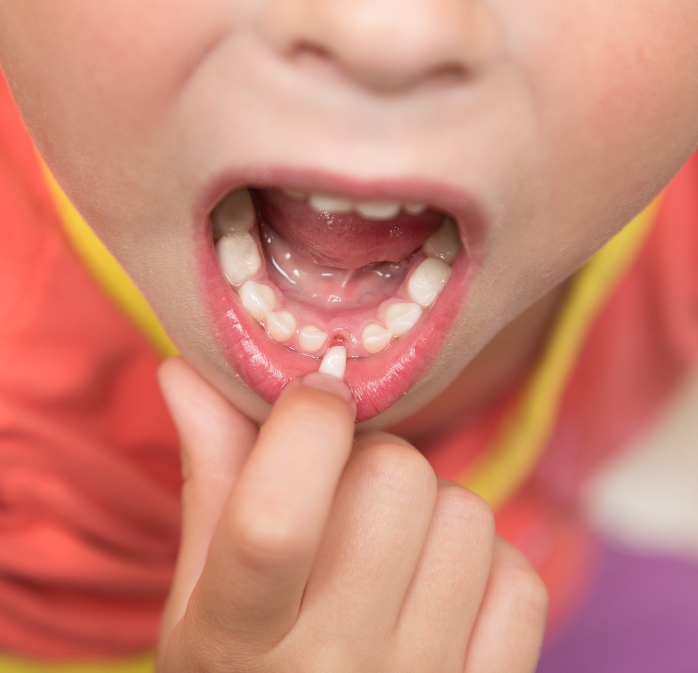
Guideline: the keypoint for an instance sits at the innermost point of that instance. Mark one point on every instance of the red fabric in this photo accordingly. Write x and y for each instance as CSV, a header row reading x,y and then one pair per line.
x,y
89,476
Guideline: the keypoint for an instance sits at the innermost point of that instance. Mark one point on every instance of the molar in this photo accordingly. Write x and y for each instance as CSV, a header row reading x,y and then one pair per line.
x,y
334,362
444,243
281,325
378,210
427,281
330,204
311,339
400,318
376,338
258,299
238,256
234,214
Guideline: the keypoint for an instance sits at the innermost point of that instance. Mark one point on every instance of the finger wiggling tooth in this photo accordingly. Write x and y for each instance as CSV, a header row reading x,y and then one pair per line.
x,y
281,325
375,338
234,214
444,243
238,256
334,362
402,317
427,281
258,299
311,339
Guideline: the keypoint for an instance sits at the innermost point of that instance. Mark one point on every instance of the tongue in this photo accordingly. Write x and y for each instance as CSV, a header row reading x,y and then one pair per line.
x,y
345,241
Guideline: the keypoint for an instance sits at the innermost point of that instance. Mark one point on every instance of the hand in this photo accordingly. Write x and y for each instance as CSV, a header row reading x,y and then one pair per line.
x,y
306,551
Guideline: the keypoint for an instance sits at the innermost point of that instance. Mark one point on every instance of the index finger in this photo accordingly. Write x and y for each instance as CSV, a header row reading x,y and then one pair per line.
x,y
265,544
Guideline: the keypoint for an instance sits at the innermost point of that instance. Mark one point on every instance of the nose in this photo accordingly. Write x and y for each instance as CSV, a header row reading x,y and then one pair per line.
x,y
387,45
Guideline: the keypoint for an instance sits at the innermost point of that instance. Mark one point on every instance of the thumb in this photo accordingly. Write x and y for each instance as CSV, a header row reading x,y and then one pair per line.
x,y
215,440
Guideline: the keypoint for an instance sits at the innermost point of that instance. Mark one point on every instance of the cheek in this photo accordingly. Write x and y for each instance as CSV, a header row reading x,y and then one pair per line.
x,y
619,87
114,65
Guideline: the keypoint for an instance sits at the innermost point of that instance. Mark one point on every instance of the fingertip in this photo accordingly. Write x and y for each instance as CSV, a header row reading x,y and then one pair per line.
x,y
331,384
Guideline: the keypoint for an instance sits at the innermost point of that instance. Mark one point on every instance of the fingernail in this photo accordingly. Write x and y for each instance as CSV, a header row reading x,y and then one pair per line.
x,y
329,383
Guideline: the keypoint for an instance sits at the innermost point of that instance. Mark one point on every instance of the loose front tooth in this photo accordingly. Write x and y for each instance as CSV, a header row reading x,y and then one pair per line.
x,y
378,210
334,362
376,338
415,208
330,204
311,339
401,318
238,257
281,325
258,299
444,243
295,194
428,279
235,213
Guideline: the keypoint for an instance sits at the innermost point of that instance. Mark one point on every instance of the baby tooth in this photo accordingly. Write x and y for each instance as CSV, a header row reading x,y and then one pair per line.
x,y
401,318
428,279
330,204
378,210
311,339
376,338
234,213
281,325
444,243
258,299
334,362
238,257
415,208
295,194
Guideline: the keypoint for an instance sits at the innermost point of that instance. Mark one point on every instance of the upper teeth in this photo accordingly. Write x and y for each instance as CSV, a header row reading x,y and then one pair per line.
x,y
371,210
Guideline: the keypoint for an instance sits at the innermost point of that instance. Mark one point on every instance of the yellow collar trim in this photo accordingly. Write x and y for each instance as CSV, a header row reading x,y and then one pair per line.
x,y
108,273
143,664
499,473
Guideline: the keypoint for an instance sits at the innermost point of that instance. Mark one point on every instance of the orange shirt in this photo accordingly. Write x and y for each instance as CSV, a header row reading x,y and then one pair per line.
x,y
89,483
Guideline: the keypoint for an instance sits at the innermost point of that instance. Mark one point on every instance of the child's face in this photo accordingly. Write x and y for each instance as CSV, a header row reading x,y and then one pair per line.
x,y
542,126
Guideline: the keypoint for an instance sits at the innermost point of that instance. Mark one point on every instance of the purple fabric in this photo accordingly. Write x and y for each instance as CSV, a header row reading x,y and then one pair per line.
x,y
640,617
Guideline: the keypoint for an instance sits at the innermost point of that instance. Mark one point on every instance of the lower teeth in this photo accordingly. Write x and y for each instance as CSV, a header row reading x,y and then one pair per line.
x,y
241,261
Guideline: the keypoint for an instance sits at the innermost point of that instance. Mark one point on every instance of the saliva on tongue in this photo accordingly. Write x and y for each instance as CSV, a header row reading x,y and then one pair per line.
x,y
337,261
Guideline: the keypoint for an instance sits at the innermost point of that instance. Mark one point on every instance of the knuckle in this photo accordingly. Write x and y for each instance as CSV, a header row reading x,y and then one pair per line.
x,y
467,509
266,535
398,467
525,587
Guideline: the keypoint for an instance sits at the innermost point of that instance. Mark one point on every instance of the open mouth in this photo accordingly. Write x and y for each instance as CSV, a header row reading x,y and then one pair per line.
x,y
298,281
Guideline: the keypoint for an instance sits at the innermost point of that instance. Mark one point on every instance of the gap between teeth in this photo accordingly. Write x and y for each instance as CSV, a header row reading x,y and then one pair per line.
x,y
240,261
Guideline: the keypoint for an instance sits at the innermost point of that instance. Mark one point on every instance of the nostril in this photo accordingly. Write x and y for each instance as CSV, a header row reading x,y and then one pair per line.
x,y
311,53
449,74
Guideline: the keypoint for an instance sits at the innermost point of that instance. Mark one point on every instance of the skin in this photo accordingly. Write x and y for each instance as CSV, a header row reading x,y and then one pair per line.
x,y
562,119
